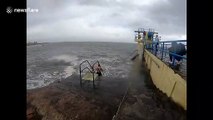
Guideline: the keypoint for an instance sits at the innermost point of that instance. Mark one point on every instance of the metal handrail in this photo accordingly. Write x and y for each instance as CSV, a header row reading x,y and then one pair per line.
x,y
163,50
84,62
172,41
92,76
88,69
92,71
172,53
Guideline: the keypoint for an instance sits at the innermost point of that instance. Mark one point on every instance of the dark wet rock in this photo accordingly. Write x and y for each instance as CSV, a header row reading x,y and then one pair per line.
x,y
32,113
168,116
157,115
61,101
131,100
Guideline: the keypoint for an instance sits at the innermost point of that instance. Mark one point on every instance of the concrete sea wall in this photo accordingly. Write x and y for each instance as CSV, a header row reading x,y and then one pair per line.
x,y
165,79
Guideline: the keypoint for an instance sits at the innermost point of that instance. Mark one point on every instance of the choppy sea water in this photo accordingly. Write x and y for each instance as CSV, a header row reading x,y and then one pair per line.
x,y
49,62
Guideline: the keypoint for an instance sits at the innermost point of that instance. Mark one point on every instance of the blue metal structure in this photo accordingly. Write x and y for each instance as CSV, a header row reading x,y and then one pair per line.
x,y
168,51
162,52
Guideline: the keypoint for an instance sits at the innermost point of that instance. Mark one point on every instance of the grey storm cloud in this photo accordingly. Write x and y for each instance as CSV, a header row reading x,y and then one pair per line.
x,y
104,20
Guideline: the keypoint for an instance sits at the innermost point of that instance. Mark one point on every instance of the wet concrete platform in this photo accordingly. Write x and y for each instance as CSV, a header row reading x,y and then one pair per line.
x,y
144,101
66,100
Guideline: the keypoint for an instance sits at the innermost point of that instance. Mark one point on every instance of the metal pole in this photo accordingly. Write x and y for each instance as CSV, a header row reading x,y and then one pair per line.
x,y
173,60
165,52
162,51
93,80
80,77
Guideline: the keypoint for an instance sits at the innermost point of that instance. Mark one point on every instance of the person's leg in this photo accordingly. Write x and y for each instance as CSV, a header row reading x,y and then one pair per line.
x,y
99,73
156,49
178,58
170,57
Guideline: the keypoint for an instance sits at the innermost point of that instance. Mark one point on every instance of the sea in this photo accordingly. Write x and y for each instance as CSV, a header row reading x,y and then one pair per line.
x,y
49,62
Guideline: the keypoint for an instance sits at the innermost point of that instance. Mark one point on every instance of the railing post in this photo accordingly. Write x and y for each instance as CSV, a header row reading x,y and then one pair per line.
x,y
92,71
173,60
152,48
156,49
166,50
80,77
93,80
162,50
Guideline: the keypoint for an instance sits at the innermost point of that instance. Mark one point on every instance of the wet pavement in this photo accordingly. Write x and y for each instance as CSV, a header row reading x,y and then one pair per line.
x,y
66,100
144,101
54,91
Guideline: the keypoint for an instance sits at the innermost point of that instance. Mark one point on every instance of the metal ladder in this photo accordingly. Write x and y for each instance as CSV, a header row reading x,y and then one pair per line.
x,y
91,71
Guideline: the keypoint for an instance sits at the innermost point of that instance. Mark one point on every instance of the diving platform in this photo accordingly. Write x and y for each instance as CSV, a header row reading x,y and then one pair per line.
x,y
156,54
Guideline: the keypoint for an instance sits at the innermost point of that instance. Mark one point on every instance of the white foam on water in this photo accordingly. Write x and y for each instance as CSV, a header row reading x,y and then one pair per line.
x,y
113,67
69,71
46,78
38,45
42,80
32,84
73,60
66,58
55,73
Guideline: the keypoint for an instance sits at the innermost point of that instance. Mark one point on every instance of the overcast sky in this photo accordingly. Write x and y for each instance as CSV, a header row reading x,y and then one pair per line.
x,y
104,20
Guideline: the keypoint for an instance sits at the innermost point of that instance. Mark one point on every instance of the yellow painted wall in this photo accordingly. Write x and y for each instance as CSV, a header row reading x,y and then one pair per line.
x,y
164,78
